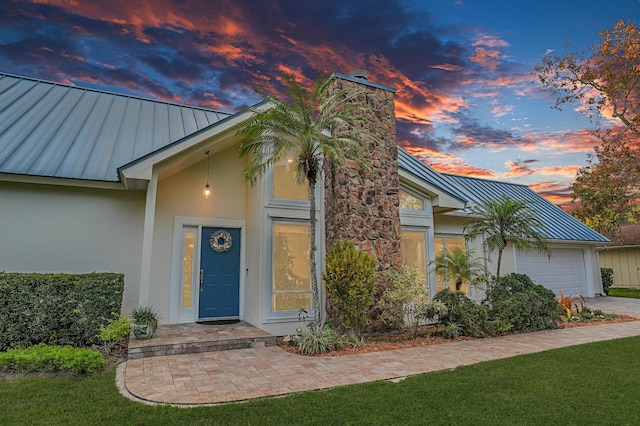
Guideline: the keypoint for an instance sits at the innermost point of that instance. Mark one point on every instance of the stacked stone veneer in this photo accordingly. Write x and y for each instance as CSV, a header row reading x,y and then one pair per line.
x,y
365,206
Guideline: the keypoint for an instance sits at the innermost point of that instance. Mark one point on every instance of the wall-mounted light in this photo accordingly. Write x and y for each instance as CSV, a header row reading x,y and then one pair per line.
x,y
206,192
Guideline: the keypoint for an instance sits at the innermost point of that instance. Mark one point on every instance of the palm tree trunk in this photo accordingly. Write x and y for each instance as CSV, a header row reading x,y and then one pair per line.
x,y
315,291
499,262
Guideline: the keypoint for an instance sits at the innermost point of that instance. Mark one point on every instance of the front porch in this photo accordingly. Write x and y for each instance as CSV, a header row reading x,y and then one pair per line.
x,y
191,338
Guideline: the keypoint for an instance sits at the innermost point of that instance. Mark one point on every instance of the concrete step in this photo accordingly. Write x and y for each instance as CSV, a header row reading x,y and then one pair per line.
x,y
178,339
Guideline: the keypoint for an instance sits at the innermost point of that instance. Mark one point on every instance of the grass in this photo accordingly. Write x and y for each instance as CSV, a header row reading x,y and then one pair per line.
x,y
625,292
586,384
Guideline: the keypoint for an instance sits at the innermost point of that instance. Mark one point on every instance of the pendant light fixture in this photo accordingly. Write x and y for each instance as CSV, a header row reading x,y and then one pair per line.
x,y
206,192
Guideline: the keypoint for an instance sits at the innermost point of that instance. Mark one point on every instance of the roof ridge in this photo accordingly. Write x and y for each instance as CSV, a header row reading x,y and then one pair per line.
x,y
107,92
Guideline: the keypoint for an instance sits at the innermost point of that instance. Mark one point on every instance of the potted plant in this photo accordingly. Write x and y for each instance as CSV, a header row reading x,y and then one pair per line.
x,y
144,321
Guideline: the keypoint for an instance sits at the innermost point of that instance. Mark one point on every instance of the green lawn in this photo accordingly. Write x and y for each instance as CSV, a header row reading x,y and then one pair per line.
x,y
624,292
589,384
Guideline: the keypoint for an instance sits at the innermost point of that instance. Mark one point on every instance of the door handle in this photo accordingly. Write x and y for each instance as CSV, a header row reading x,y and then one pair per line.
x,y
201,279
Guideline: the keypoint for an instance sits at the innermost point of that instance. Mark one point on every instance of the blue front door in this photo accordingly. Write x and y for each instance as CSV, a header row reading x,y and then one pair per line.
x,y
220,273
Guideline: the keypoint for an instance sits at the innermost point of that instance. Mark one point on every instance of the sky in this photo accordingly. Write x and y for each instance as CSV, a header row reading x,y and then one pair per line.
x,y
467,101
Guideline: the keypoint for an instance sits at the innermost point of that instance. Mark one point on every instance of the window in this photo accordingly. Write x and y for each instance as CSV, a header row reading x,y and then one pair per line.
x,y
414,249
291,283
443,279
285,185
410,201
187,267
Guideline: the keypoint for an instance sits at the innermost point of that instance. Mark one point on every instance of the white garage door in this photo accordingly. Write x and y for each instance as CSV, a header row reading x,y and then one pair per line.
x,y
565,271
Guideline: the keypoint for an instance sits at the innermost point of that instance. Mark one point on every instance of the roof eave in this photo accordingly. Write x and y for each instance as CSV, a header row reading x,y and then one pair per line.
x,y
60,181
440,199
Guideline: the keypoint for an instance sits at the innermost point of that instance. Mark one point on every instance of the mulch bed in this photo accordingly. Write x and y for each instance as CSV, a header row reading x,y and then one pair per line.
x,y
428,336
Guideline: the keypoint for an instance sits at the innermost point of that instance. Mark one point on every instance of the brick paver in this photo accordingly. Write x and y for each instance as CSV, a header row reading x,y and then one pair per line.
x,y
234,375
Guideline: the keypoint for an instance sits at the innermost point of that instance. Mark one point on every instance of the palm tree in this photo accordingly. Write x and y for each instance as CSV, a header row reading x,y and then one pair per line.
x,y
505,221
459,265
313,126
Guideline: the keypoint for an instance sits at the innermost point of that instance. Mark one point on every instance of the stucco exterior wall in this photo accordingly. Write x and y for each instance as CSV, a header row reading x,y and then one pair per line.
x,y
452,225
181,195
48,228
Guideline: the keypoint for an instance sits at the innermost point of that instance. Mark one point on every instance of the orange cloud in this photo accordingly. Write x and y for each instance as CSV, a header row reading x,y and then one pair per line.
x,y
427,155
488,58
432,106
530,167
557,193
447,67
463,169
581,140
501,110
490,41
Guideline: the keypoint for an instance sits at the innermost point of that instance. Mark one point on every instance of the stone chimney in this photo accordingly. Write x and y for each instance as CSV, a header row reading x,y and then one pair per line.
x,y
365,206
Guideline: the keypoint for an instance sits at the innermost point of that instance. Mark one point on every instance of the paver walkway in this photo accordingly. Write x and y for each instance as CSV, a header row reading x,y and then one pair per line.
x,y
235,375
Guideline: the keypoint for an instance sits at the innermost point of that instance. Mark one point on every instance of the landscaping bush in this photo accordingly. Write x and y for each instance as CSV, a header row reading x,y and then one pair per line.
x,y
52,359
527,306
320,339
404,299
462,314
349,279
114,332
607,279
56,309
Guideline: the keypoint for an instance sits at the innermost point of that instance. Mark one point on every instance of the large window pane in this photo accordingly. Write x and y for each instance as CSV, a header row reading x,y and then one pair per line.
x,y
187,268
285,185
443,279
414,250
410,201
291,285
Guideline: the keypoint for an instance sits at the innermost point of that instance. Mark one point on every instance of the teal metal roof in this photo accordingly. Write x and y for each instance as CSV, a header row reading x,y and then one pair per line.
x,y
560,224
411,164
57,130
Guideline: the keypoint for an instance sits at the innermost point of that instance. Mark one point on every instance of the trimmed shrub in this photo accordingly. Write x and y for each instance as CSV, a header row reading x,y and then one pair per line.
x,y
469,317
52,359
527,306
403,299
349,279
607,279
56,309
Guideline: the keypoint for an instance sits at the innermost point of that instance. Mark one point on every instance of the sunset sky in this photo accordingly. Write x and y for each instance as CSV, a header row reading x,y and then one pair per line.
x,y
466,100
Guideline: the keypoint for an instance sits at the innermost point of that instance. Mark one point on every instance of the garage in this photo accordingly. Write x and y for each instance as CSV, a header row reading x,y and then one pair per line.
x,y
564,272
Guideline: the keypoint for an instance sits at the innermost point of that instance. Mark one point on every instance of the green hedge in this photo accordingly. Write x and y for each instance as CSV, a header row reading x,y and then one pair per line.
x,y
52,359
56,309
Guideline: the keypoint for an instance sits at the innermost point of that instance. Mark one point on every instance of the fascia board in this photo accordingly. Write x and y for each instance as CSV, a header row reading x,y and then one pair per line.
x,y
48,180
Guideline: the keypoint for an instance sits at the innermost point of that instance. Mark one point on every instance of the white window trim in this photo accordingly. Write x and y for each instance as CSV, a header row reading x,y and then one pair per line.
x,y
176,313
424,212
446,235
428,232
293,217
284,203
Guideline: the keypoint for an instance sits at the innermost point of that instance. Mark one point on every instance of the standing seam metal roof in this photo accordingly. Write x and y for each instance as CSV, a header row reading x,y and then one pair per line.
x,y
560,224
417,168
58,130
